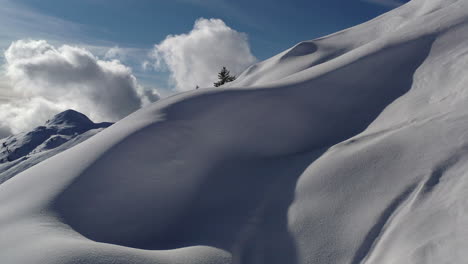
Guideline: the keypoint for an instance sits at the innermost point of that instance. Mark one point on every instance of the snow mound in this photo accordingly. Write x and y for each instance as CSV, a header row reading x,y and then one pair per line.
x,y
352,148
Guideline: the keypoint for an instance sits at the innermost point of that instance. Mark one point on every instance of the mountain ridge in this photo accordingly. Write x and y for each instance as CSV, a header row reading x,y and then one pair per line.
x,y
21,151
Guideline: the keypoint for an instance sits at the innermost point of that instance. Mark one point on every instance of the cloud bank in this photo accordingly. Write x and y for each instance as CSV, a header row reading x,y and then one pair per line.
x,y
47,80
195,58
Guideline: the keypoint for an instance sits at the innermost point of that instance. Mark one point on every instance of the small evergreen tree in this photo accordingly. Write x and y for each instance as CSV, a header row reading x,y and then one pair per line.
x,y
224,77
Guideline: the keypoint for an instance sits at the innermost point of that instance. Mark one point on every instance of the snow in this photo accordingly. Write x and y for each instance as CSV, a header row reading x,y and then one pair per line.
x,y
24,150
352,148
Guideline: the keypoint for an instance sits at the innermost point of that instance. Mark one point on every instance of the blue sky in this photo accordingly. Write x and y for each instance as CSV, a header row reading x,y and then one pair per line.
x,y
145,48
271,25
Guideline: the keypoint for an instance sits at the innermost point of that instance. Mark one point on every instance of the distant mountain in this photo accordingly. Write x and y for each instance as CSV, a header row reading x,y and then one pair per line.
x,y
64,130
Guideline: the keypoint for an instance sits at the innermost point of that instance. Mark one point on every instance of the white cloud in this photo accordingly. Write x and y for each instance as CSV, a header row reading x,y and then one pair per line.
x,y
388,3
195,58
46,80
116,53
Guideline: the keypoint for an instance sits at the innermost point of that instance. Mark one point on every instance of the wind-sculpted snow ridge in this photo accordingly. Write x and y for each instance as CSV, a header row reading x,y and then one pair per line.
x,y
24,150
352,148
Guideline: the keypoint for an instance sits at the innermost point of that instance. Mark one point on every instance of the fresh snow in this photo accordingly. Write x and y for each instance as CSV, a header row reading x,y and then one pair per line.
x,y
352,148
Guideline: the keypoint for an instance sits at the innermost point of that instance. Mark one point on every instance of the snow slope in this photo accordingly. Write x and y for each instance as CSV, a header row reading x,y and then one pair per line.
x,y
352,148
24,150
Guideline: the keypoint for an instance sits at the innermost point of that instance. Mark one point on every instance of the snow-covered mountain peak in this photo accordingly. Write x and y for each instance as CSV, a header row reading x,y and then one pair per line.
x,y
69,118
70,122
66,129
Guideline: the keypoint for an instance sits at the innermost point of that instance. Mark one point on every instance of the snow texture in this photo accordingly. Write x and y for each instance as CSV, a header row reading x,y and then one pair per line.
x,y
351,148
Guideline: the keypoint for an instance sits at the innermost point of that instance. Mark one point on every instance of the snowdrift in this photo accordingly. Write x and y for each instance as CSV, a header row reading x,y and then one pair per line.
x,y
351,148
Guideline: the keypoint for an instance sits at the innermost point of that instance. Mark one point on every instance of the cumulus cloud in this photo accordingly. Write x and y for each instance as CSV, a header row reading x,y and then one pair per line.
x,y
47,80
195,58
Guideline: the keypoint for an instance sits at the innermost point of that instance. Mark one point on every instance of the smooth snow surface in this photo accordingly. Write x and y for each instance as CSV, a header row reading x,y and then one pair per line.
x,y
352,148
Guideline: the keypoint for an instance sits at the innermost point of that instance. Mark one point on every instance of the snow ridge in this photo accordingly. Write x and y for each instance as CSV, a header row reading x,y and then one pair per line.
x,y
350,148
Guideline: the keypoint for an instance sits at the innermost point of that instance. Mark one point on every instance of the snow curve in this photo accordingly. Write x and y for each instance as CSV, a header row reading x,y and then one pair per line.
x,y
354,153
